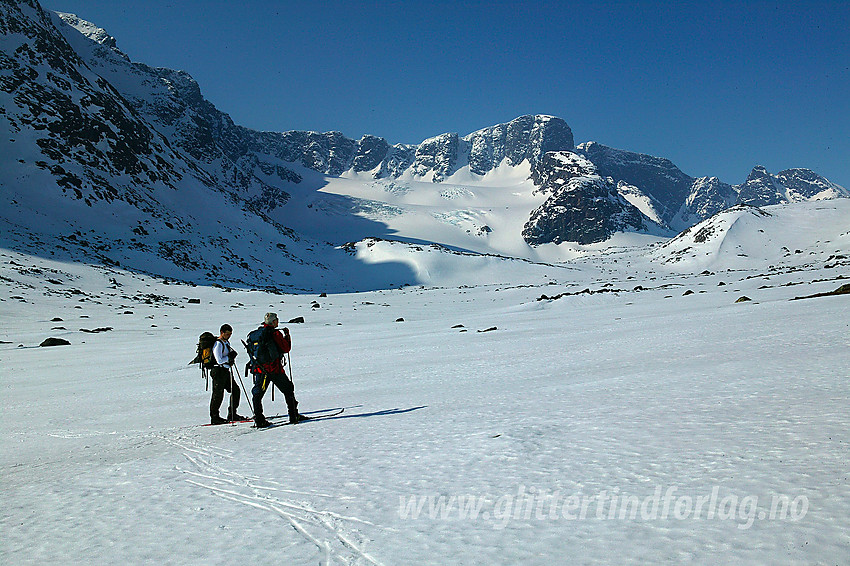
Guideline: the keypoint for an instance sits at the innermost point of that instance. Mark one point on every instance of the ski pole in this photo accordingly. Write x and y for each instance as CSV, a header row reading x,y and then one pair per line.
x,y
254,365
232,408
289,359
247,399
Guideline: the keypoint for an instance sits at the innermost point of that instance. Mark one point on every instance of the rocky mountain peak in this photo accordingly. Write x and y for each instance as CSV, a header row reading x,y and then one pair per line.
x,y
760,189
524,138
803,184
583,207
758,172
89,30
791,185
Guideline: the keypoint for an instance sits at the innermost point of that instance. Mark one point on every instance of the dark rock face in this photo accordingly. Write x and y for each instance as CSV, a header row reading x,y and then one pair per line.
x,y
709,195
760,189
371,151
583,208
81,125
680,201
526,137
399,158
108,145
585,211
101,136
555,169
658,178
330,153
224,155
437,155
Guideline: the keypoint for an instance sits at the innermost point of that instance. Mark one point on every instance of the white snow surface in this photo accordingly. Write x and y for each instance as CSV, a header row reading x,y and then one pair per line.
x,y
632,389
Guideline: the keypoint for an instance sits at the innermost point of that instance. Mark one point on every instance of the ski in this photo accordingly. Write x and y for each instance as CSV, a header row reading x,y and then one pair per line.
x,y
247,420
321,415
306,419
229,422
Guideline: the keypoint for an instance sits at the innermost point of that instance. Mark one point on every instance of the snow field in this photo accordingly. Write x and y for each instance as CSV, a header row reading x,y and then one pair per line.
x,y
586,396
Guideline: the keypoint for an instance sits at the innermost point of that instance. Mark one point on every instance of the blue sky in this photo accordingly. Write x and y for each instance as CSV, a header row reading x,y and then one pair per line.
x,y
717,87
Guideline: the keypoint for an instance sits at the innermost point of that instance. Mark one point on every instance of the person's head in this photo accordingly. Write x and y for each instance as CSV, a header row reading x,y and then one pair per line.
x,y
226,331
270,319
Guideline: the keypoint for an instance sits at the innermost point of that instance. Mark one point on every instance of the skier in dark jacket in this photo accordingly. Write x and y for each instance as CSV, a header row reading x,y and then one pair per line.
x,y
272,373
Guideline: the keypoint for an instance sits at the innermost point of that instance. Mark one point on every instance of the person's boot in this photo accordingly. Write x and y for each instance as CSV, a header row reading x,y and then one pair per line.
x,y
234,416
292,407
297,418
261,422
216,419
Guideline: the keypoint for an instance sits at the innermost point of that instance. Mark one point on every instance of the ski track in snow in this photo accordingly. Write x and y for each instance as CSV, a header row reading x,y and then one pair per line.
x,y
335,540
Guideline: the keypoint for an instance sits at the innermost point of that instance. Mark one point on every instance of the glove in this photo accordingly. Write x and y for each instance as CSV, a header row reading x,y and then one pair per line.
x,y
232,355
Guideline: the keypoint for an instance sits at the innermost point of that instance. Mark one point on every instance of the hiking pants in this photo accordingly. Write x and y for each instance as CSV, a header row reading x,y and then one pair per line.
x,y
283,383
221,381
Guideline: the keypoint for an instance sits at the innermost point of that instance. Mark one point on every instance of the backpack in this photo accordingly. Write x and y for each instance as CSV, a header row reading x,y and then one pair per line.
x,y
261,347
205,357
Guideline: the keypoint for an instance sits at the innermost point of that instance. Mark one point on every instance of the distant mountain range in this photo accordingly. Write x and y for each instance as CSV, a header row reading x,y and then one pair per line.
x,y
85,132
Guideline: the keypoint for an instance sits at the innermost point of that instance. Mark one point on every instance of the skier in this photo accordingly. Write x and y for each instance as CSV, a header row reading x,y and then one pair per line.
x,y
272,372
222,378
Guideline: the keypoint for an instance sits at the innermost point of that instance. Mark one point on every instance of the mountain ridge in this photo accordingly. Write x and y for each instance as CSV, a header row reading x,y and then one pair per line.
x,y
94,135
439,157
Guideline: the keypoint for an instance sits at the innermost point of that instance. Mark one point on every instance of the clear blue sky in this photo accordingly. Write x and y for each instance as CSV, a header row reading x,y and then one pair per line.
x,y
717,87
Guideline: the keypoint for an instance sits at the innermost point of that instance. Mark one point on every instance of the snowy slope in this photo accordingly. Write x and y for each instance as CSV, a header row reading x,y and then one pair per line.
x,y
812,231
485,217
634,379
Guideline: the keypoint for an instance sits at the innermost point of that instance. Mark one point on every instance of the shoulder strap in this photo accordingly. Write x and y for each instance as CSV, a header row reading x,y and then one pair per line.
x,y
217,340
268,336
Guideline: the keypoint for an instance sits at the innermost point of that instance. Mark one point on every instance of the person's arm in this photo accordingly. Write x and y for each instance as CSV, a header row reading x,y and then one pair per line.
x,y
284,342
221,357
